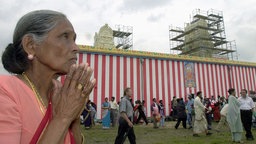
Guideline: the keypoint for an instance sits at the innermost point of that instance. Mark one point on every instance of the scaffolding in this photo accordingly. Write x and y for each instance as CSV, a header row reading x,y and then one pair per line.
x,y
123,36
204,36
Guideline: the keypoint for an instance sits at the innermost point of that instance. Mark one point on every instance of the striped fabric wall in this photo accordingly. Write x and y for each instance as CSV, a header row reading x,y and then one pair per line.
x,y
161,79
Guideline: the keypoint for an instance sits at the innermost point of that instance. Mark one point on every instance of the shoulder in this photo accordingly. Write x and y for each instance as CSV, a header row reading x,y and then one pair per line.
x,y
10,84
5,79
12,92
123,100
232,97
249,98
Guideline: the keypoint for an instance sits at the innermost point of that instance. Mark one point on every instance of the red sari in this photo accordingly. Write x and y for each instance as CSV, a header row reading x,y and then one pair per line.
x,y
216,113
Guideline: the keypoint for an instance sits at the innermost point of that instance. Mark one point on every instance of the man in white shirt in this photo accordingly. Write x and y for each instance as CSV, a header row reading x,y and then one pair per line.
x,y
246,108
113,111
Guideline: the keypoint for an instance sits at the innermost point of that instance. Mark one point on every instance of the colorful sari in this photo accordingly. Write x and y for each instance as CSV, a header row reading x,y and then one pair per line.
x,y
87,117
106,115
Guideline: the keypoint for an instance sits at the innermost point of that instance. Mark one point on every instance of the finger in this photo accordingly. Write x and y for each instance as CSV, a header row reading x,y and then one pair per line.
x,y
69,76
83,77
87,90
75,78
87,76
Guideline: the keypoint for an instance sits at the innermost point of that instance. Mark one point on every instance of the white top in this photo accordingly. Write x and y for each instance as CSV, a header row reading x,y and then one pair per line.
x,y
224,110
113,105
246,103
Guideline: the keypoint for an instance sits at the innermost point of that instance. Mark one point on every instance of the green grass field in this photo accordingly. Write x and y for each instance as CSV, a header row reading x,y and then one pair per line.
x,y
166,135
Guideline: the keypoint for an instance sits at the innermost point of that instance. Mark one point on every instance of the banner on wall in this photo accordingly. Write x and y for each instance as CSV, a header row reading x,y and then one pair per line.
x,y
189,74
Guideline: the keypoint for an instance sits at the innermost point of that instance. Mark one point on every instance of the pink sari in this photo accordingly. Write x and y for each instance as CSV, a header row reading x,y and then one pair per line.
x,y
41,127
156,113
20,114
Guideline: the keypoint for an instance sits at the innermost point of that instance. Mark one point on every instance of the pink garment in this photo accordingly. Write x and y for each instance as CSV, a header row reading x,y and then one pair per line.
x,y
20,113
155,110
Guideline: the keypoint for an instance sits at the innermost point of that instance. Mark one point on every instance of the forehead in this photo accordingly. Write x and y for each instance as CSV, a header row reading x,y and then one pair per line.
x,y
63,25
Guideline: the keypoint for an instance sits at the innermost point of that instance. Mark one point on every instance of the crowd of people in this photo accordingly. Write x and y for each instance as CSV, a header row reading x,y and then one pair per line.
x,y
198,112
237,112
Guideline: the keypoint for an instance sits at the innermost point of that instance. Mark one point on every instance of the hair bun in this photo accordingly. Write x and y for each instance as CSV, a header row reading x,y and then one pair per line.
x,y
13,59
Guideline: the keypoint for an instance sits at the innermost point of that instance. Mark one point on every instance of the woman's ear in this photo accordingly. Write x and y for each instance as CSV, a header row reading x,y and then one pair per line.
x,y
28,45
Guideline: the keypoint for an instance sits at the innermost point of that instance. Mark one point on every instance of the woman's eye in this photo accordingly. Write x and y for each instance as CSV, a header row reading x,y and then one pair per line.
x,y
65,36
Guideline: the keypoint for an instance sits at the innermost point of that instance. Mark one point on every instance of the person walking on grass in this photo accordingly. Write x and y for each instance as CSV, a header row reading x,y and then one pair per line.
x,y
155,113
141,113
182,116
200,124
208,114
246,109
234,117
190,109
125,121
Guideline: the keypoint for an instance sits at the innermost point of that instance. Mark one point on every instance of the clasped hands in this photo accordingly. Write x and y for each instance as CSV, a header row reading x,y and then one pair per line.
x,y
69,99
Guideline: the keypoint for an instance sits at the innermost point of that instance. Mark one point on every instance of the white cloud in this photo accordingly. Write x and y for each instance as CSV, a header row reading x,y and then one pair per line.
x,y
155,17
150,19
141,5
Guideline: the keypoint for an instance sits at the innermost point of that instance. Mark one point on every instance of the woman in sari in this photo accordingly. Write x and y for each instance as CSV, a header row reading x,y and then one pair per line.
x,y
87,115
216,112
34,106
106,114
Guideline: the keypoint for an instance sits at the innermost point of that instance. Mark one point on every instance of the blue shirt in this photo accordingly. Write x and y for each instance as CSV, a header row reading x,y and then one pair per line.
x,y
190,104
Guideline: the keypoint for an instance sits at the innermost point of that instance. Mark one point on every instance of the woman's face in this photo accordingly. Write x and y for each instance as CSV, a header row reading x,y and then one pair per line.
x,y
58,51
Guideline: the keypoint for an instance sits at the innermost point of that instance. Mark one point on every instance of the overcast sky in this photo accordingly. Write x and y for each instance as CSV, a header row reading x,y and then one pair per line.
x,y
150,20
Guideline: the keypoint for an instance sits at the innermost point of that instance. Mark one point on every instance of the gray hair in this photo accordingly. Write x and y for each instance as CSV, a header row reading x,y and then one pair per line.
x,y
37,24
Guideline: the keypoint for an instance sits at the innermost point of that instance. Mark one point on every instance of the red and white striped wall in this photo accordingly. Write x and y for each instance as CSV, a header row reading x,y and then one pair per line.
x,y
161,79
